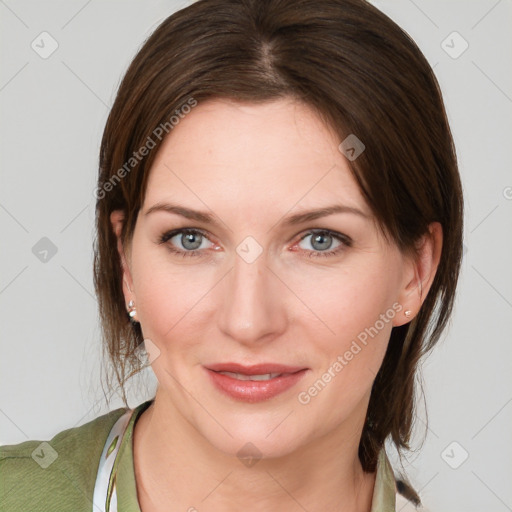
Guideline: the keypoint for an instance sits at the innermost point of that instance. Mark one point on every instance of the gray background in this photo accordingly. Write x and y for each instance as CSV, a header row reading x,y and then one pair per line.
x,y
53,111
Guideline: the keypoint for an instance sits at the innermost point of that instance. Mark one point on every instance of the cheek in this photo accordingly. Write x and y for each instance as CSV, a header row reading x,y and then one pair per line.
x,y
356,308
347,301
165,293
174,305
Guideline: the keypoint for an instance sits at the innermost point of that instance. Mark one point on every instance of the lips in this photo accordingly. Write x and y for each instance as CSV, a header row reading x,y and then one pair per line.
x,y
257,369
254,383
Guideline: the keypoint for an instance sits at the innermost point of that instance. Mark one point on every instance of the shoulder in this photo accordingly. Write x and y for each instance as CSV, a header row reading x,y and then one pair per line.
x,y
58,474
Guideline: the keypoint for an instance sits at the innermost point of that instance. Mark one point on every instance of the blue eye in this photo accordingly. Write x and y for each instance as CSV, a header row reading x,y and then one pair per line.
x,y
322,243
190,240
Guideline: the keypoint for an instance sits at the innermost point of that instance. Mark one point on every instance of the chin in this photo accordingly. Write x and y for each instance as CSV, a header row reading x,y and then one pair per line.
x,y
253,439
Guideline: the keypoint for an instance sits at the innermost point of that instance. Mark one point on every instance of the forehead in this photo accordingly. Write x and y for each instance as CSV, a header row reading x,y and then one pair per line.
x,y
252,156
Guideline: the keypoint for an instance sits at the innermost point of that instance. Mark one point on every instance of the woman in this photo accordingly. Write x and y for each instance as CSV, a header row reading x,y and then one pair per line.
x,y
279,225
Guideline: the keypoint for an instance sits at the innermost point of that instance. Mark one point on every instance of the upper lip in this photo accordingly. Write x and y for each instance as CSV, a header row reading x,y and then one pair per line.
x,y
256,369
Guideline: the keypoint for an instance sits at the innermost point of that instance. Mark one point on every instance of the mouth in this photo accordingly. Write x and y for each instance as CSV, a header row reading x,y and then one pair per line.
x,y
254,383
260,377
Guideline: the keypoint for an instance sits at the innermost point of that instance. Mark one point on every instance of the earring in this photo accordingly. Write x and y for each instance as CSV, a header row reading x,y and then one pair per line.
x,y
408,313
131,310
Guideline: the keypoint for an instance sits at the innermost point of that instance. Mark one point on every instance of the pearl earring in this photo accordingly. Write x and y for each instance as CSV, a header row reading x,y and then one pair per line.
x,y
408,313
131,310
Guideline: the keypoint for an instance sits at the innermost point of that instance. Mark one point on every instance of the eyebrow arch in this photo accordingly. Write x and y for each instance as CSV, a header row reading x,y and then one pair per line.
x,y
188,213
297,218
300,218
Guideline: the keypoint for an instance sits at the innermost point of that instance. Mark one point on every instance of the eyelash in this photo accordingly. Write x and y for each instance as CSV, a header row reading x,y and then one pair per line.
x,y
344,239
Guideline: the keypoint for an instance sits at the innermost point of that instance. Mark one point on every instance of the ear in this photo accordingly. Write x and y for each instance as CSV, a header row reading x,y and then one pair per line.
x,y
421,268
117,219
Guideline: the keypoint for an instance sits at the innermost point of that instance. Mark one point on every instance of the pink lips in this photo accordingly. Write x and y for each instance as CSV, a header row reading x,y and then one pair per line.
x,y
252,390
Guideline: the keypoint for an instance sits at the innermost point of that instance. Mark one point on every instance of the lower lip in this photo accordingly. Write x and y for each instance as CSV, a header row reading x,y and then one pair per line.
x,y
255,390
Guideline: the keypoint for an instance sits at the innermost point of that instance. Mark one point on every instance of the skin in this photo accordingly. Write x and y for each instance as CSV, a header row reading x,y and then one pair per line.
x,y
250,166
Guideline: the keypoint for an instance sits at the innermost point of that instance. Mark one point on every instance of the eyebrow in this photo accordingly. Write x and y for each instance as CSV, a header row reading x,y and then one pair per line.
x,y
292,220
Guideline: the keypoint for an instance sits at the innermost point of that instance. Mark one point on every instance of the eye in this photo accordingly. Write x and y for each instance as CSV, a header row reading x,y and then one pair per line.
x,y
185,242
193,242
325,243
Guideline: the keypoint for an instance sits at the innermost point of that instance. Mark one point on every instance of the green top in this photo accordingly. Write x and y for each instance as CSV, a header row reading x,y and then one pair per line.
x,y
60,475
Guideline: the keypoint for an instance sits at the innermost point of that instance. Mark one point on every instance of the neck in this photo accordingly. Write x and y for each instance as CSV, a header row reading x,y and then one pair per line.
x,y
174,464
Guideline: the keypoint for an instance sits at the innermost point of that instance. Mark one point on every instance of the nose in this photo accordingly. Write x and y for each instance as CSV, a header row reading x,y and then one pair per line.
x,y
252,307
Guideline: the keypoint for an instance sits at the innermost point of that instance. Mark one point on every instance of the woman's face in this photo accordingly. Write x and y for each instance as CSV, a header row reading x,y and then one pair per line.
x,y
252,286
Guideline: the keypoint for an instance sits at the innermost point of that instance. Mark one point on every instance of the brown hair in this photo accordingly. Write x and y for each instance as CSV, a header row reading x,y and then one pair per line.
x,y
364,76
